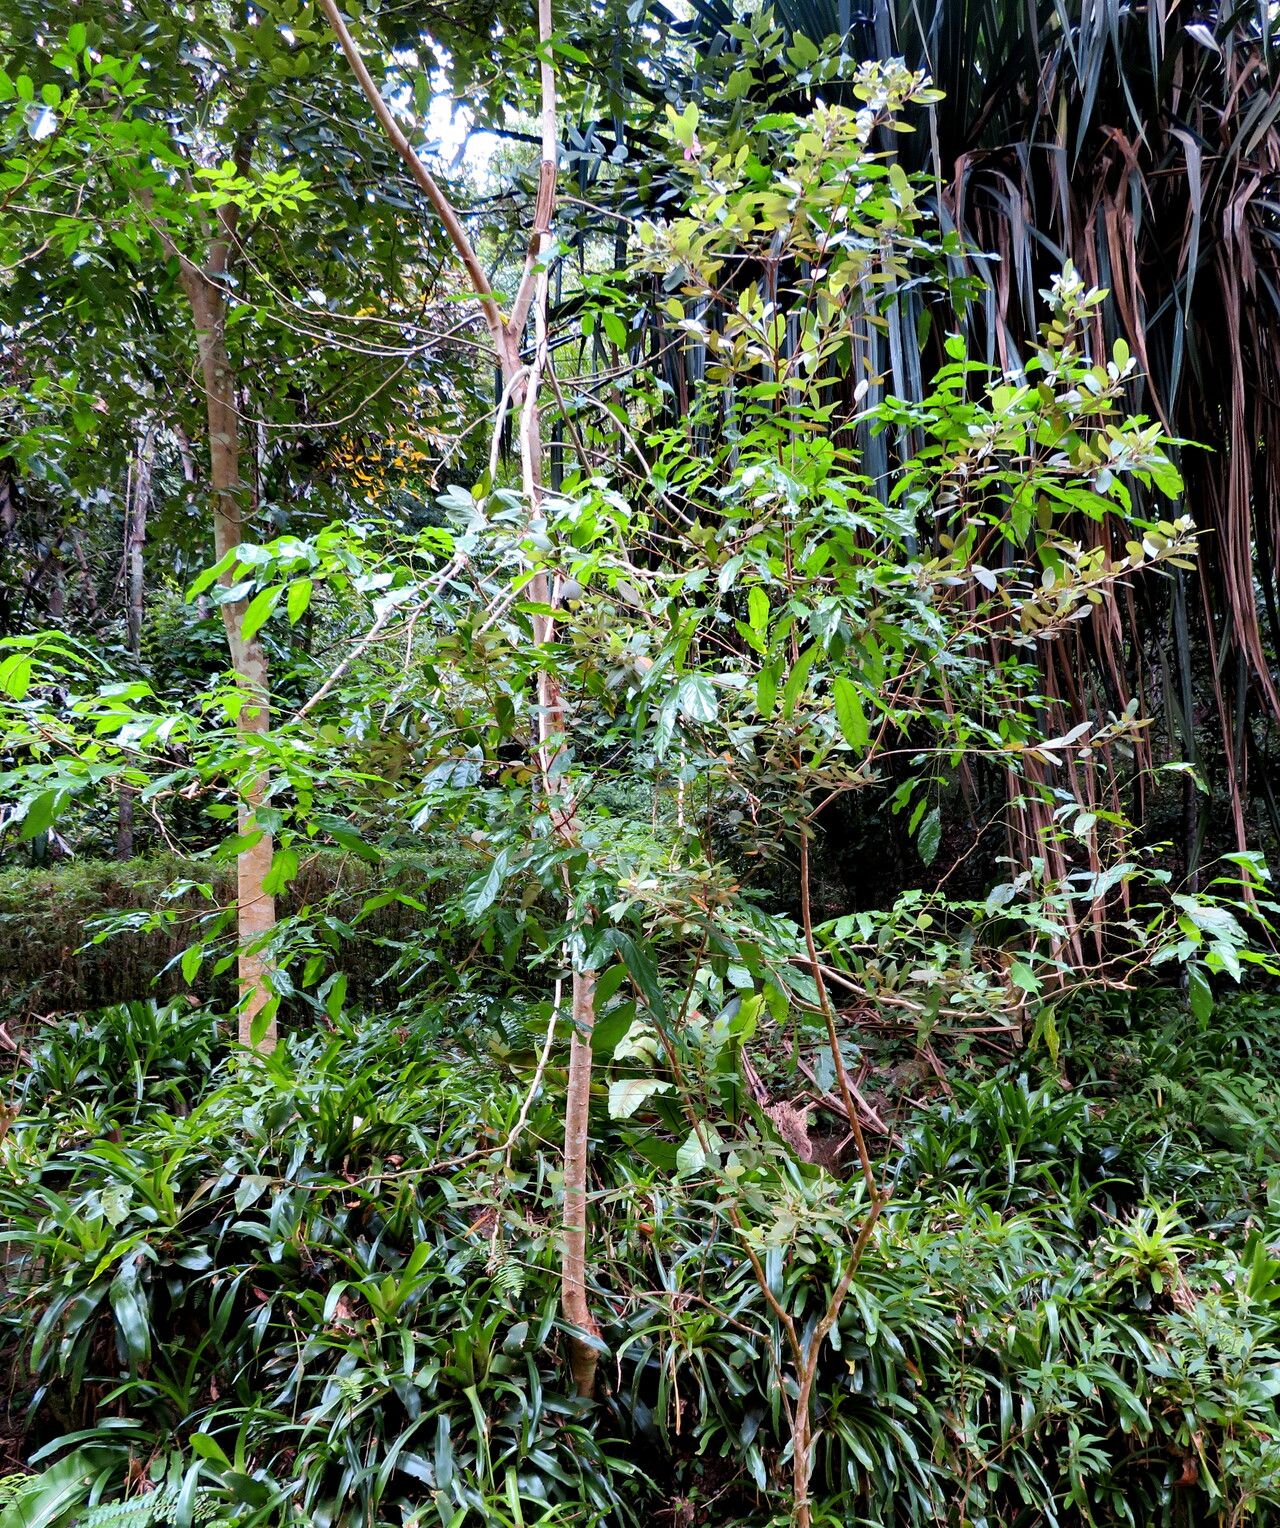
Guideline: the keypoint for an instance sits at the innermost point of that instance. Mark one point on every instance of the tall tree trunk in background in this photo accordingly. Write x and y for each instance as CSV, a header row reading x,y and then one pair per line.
x,y
522,386
137,503
205,288
56,601
256,906
136,539
8,548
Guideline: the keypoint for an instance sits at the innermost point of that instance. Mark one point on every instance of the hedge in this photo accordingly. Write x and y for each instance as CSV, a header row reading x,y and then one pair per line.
x,y
49,964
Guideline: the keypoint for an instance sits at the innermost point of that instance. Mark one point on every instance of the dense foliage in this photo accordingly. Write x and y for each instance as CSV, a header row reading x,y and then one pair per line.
x,y
325,1291
633,890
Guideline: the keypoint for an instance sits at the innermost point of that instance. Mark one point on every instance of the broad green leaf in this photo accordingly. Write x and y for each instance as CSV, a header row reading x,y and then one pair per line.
x,y
299,598
284,866
628,1093
259,611
261,1021
482,892
1024,977
640,965
1199,994
849,713
930,836
640,1043
696,698
39,815
211,575
690,1158
15,675
54,1496
336,996
250,1189
209,1448
758,609
132,1313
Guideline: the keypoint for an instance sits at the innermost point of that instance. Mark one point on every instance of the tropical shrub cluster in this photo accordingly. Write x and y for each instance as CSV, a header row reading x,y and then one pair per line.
x,y
325,1290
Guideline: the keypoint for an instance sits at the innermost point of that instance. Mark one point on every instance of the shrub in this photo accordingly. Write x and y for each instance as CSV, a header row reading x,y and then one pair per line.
x,y
324,1289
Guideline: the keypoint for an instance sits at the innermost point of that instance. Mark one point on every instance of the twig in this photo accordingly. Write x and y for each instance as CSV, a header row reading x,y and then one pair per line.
x,y
523,1117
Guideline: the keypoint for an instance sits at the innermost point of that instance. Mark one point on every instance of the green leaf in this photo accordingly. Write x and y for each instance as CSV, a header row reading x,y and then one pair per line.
x,y
481,893
51,1497
184,1508
628,1093
284,866
696,698
336,995
758,609
298,600
250,1189
39,815
797,679
640,965
259,611
767,689
930,836
690,1158
1045,1030
131,1311
1199,994
1024,977
348,837
15,675
849,713
261,1021
211,575
209,1448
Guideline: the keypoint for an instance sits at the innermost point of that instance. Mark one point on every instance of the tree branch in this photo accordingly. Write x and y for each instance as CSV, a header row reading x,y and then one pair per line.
x,y
448,216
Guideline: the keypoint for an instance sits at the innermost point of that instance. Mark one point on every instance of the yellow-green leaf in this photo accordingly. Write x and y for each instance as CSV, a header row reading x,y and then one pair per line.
x,y
850,715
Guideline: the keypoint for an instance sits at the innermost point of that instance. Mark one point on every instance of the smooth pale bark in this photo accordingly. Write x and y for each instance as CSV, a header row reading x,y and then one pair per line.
x,y
256,911
521,387
205,288
137,503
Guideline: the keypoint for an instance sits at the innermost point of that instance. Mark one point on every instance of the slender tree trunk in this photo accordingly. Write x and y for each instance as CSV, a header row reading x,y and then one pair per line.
x,y
137,503
57,598
256,907
522,386
205,287
584,1349
136,539
8,548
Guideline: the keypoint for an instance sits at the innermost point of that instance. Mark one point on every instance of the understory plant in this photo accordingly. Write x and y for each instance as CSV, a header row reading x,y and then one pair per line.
x,y
324,1290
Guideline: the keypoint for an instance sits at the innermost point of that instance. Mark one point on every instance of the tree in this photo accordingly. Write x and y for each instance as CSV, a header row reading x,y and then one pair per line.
x,y
192,171
522,384
1135,146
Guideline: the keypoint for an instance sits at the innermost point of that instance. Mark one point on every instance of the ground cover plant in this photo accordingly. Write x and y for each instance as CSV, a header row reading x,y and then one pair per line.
x,y
326,1290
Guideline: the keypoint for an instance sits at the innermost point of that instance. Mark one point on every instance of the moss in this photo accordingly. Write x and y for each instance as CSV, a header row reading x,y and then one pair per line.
x,y
48,963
